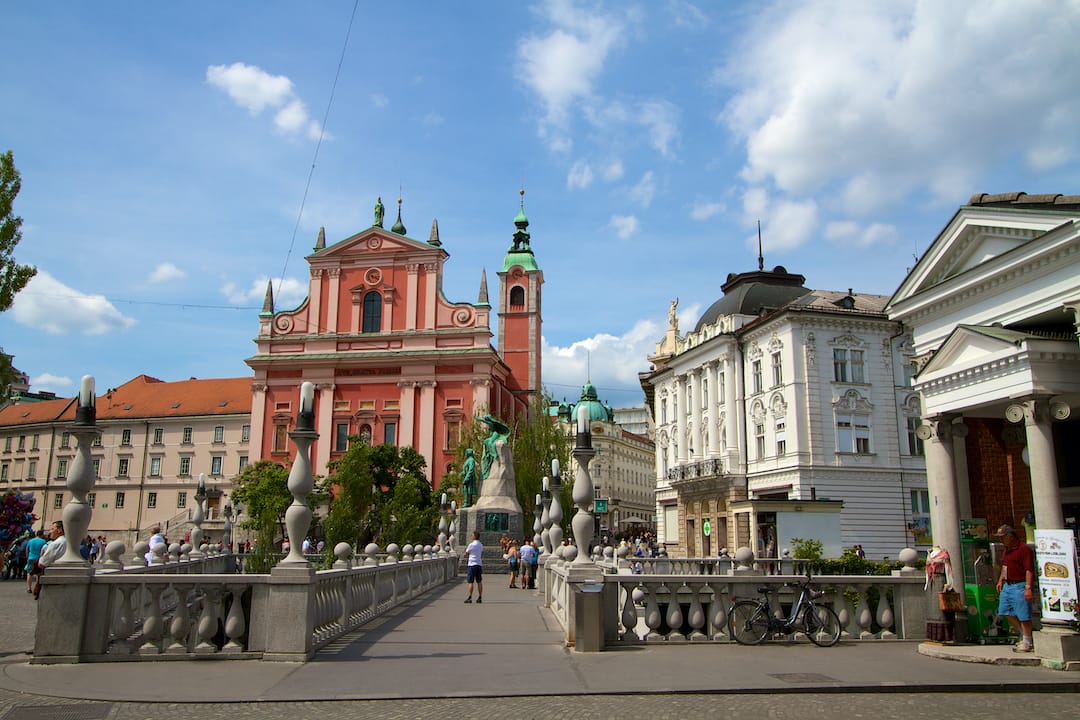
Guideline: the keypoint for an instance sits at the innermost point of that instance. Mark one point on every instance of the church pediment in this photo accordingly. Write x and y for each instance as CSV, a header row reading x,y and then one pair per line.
x,y
376,240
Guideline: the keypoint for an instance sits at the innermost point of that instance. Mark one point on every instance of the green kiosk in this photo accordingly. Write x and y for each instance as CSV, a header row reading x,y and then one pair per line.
x,y
980,584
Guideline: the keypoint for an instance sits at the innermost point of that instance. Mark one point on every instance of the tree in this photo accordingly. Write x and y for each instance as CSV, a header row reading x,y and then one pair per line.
x,y
262,488
13,277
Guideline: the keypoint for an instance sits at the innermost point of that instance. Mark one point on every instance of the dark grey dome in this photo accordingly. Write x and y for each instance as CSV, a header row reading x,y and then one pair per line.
x,y
753,293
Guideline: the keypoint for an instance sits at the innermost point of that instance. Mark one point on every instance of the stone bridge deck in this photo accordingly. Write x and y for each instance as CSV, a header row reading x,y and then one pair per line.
x,y
438,647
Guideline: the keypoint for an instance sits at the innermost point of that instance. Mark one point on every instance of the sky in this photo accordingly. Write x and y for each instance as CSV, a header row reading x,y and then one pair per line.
x,y
177,156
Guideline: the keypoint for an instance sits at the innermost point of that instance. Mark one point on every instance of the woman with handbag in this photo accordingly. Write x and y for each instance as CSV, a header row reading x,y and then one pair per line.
x,y
513,557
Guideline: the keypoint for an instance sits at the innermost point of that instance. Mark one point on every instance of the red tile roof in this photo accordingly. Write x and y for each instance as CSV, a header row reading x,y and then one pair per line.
x,y
144,397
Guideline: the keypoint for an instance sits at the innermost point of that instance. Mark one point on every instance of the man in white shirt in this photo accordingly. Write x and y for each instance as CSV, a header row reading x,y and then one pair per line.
x,y
54,550
475,569
156,538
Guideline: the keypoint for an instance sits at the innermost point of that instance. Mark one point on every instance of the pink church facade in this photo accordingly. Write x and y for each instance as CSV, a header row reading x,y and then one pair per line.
x,y
391,358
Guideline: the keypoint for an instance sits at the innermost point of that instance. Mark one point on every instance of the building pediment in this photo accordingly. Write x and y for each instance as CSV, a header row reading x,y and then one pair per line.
x,y
377,241
971,346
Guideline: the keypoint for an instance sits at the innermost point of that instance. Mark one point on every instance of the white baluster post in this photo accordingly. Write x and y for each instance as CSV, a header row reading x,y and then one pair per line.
x,y
583,488
301,480
80,479
197,519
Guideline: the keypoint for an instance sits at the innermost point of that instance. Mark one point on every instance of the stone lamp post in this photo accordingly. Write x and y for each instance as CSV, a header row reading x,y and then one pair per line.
x,y
226,531
537,527
301,480
197,519
545,519
443,525
583,452
80,479
555,512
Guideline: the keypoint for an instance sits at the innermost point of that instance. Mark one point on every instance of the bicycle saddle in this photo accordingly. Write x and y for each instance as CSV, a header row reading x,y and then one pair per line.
x,y
763,590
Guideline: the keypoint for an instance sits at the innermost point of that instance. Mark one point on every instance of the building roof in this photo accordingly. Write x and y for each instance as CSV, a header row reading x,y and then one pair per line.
x,y
1051,201
753,293
145,397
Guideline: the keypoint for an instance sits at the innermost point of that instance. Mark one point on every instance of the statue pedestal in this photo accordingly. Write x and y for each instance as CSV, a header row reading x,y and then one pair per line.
x,y
490,523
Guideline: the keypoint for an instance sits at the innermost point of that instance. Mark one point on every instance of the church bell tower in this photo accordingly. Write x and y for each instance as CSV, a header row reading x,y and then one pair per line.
x,y
519,309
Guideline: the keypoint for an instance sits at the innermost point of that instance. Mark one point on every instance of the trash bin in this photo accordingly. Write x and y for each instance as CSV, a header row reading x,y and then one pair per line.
x,y
588,617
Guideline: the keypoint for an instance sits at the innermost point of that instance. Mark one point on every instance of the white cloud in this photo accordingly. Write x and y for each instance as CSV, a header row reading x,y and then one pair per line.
x,y
626,226
612,171
379,100
580,176
642,193
787,225
254,89
562,65
251,87
47,304
164,272
661,119
52,383
702,210
288,294
609,361
848,232
875,101
433,119
686,15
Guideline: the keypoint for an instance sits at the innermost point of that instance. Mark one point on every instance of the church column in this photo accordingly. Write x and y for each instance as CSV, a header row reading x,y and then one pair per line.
x,y
696,450
411,295
427,428
481,400
713,409
315,301
406,432
258,417
332,300
941,481
731,414
1045,493
679,407
430,293
324,425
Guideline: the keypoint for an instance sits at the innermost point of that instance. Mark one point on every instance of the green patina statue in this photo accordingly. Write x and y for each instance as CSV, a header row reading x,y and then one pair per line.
x,y
468,478
379,211
499,431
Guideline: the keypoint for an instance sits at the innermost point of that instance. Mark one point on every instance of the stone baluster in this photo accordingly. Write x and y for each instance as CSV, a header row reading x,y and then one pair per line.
x,y
181,622
718,613
371,555
629,616
843,612
696,615
674,617
197,519
407,553
545,518
652,613
301,480
207,626
583,492
235,625
555,513
226,531
443,526
81,477
864,616
153,623
885,614
344,553
392,552
114,554
452,540
125,619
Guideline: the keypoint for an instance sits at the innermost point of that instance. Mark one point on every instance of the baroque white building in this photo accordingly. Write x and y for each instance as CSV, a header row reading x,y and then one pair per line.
x,y
787,412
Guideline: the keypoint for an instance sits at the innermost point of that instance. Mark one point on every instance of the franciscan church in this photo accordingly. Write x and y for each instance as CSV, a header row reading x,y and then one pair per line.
x,y
392,359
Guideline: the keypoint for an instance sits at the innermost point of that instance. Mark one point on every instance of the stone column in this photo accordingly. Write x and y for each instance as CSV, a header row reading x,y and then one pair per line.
x,y
407,430
427,427
412,294
324,424
731,409
431,291
713,410
1045,494
332,299
314,301
941,481
679,408
696,452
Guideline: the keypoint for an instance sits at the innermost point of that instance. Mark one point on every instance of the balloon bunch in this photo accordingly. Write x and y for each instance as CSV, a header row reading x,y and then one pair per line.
x,y
16,515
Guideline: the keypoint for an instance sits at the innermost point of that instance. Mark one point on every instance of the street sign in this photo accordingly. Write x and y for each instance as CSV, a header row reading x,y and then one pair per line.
x,y
706,528
600,505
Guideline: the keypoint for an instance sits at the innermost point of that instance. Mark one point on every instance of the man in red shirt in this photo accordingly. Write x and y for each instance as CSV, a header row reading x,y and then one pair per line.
x,y
1015,585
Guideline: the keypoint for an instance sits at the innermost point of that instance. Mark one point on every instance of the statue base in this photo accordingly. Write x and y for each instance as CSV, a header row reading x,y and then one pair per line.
x,y
492,525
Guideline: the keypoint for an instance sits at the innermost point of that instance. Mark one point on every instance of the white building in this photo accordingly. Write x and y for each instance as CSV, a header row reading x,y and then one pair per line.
x,y
781,393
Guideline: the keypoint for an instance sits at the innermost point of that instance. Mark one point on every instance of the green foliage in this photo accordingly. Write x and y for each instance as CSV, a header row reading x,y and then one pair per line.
x,y
262,488
536,440
381,495
851,564
13,277
809,549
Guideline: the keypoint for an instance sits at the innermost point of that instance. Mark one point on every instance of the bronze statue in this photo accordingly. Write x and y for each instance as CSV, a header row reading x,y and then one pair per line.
x,y
379,211
468,478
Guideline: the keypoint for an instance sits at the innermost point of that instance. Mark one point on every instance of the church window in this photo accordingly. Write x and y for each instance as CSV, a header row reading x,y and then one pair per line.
x,y
341,437
517,297
372,312
390,433
281,438
365,435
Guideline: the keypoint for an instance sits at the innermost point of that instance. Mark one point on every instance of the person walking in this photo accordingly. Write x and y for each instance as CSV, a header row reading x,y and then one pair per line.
x,y
33,568
528,552
475,572
1015,585
513,559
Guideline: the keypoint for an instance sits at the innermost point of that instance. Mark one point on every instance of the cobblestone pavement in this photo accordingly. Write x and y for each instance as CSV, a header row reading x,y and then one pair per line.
x,y
794,705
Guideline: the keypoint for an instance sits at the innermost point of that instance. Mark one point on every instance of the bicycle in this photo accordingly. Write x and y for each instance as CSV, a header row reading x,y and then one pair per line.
x,y
752,620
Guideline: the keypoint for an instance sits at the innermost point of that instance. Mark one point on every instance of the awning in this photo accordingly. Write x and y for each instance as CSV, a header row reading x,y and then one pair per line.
x,y
633,520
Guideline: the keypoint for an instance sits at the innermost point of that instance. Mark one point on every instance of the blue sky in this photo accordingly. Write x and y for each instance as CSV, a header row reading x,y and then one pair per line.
x,y
165,149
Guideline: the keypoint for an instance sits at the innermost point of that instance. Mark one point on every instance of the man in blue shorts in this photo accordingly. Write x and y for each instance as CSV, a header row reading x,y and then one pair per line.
x,y
1015,585
475,571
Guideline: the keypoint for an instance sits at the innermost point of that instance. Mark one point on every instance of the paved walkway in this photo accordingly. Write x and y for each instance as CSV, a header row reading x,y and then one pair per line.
x,y
438,647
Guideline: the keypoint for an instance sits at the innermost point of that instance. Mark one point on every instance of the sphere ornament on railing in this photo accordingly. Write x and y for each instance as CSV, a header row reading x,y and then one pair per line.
x,y
301,479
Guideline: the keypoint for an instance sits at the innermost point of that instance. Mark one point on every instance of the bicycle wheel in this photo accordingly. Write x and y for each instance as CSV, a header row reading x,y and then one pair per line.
x,y
749,622
822,625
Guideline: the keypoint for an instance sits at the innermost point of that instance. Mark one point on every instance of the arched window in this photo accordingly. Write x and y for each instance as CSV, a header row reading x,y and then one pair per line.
x,y
372,312
365,435
517,296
